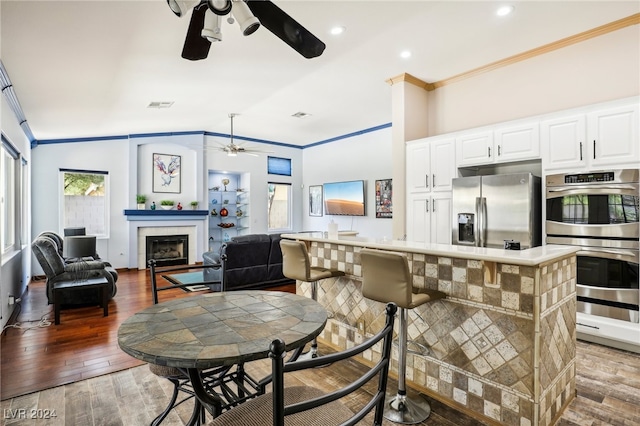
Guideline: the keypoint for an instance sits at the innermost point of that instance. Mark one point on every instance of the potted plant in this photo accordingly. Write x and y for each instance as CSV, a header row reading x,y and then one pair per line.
x,y
167,204
141,200
194,205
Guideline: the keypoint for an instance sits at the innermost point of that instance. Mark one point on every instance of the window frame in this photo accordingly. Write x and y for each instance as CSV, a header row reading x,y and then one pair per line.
x,y
8,194
289,208
62,217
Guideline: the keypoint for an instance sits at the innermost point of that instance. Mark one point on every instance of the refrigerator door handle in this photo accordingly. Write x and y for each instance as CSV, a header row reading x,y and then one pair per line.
x,y
483,230
477,225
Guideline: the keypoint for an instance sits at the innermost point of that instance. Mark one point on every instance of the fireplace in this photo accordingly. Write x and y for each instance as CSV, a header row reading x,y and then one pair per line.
x,y
168,250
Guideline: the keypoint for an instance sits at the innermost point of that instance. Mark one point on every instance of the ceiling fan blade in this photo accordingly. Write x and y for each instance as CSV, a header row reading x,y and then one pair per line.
x,y
286,28
196,47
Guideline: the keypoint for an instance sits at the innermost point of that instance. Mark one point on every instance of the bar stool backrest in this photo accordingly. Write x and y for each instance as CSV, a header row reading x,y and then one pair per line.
x,y
386,277
295,260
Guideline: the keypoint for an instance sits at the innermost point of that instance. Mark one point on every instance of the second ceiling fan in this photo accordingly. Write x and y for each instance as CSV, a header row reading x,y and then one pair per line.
x,y
206,19
232,149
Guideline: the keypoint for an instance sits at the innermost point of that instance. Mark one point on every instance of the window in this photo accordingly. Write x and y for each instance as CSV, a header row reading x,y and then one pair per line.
x,y
278,166
85,200
8,197
24,203
279,207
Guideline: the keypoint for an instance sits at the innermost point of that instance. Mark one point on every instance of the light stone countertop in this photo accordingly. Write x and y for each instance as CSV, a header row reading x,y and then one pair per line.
x,y
529,257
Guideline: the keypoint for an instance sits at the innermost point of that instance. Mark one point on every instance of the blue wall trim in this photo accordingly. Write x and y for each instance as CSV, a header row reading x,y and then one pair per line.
x,y
350,135
74,140
215,134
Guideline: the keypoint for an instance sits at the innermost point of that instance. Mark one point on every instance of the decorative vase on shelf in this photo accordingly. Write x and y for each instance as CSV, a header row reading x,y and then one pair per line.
x,y
142,206
224,212
153,205
179,206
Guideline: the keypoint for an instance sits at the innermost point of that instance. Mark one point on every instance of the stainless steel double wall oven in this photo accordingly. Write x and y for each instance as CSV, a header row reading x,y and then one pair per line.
x,y
598,211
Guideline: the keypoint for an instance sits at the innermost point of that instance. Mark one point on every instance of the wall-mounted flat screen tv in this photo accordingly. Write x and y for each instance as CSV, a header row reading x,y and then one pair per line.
x,y
344,198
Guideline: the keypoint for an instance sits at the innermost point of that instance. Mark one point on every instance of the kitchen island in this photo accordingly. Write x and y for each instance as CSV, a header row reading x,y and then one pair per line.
x,y
500,347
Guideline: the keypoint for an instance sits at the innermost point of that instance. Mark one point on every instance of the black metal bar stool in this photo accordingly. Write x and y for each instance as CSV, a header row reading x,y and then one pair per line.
x,y
386,278
296,265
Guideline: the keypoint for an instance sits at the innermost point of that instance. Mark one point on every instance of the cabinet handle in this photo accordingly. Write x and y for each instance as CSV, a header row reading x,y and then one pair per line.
x,y
433,180
489,151
580,151
426,181
427,202
594,149
498,150
433,207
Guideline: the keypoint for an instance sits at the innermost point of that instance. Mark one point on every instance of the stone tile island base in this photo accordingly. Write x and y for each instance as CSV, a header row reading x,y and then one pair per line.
x,y
500,348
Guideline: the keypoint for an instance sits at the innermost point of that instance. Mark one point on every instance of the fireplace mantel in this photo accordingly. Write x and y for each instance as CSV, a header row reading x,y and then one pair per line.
x,y
164,214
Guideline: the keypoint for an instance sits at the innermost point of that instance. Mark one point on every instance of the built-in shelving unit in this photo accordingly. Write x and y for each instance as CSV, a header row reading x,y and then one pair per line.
x,y
228,208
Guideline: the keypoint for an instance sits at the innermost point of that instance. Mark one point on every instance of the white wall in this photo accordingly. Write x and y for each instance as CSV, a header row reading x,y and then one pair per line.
x,y
593,71
109,155
367,157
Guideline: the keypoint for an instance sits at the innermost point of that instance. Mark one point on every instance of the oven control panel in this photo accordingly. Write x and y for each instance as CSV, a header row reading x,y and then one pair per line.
x,y
590,177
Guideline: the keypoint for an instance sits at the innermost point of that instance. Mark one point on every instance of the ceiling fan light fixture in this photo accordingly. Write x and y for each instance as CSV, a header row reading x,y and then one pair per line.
x,y
181,7
242,14
211,29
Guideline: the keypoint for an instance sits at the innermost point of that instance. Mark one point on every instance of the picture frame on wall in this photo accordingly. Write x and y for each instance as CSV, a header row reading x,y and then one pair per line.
x,y
384,193
315,200
166,173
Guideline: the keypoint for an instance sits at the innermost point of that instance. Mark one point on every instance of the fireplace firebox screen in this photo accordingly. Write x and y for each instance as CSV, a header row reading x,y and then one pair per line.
x,y
168,250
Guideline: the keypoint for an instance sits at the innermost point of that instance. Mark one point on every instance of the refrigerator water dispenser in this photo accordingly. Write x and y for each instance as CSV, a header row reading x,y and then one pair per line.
x,y
465,228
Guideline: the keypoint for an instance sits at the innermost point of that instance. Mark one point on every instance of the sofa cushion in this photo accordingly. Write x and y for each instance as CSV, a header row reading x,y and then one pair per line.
x,y
247,259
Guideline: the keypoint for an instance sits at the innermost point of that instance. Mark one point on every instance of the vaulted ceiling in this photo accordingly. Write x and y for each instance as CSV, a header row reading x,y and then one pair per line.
x,y
91,68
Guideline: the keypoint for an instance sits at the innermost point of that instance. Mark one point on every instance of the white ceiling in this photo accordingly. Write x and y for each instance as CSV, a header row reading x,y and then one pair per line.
x,y
90,68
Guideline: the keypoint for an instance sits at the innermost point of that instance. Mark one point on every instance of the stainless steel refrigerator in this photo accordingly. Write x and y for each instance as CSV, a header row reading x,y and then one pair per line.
x,y
499,211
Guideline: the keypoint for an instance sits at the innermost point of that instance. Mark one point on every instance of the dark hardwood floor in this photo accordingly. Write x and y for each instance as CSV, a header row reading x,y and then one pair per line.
x,y
84,346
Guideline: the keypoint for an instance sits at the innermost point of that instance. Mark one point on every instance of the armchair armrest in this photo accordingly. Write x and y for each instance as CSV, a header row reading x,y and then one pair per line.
x,y
84,266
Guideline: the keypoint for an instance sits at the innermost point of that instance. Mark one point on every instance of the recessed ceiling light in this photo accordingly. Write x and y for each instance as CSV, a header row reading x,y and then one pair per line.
x,y
337,30
160,104
301,115
504,10
405,54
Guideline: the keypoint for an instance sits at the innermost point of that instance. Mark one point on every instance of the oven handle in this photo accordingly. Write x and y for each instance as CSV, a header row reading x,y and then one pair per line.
x,y
626,255
593,189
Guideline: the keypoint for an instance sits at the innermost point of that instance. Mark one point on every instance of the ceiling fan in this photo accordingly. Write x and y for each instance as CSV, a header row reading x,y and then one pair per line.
x,y
232,149
206,19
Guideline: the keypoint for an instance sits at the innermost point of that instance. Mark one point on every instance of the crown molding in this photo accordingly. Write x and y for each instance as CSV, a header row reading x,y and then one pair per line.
x,y
559,44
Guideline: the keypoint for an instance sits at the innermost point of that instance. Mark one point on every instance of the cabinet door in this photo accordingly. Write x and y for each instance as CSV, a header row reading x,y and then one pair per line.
x,y
475,149
441,218
563,142
613,136
443,163
418,166
517,143
418,218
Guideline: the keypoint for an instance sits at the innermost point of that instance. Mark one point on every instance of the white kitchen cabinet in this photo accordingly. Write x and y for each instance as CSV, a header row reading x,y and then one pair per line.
x,y
613,136
474,148
430,164
605,137
429,218
500,144
517,142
